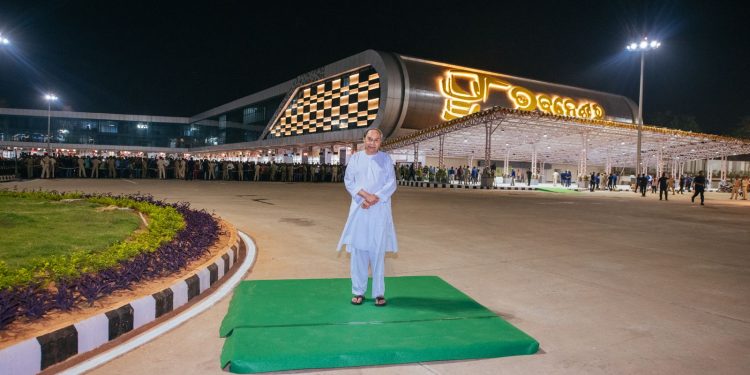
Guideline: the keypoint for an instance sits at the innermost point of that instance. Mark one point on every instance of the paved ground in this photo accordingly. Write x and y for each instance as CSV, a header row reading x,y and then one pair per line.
x,y
607,282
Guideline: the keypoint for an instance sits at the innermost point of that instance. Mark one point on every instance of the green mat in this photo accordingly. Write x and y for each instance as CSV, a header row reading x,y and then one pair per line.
x,y
275,325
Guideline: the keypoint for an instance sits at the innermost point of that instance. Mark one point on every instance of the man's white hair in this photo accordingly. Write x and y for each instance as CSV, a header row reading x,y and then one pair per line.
x,y
377,130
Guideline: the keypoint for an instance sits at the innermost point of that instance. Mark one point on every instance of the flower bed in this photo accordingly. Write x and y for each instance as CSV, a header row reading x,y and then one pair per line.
x,y
175,236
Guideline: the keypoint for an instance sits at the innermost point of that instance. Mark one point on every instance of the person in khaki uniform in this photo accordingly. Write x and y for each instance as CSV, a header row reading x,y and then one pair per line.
x,y
111,167
45,166
256,175
212,170
735,188
95,167
52,162
240,170
161,164
180,168
81,167
744,184
29,166
335,173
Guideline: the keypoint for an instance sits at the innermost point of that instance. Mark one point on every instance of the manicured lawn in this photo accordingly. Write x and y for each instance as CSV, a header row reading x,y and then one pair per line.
x,y
36,228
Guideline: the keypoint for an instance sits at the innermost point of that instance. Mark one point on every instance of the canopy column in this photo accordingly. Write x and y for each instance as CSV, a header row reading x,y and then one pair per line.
x,y
441,161
506,165
489,129
540,176
659,162
582,170
487,143
608,166
682,168
416,154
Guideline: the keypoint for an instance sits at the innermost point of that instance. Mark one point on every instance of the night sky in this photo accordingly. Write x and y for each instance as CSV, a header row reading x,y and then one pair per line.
x,y
179,59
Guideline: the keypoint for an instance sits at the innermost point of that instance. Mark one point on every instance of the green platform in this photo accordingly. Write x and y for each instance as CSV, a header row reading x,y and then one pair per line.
x,y
275,325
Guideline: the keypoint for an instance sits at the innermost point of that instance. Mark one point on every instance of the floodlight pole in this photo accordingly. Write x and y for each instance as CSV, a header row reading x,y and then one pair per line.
x,y
49,123
640,118
49,98
643,46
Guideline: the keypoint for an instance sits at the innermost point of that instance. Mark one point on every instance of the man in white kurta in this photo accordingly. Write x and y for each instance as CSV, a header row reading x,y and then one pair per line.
x,y
369,232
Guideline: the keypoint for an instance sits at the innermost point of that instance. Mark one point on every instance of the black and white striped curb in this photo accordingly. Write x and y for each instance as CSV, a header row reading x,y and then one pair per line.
x,y
6,178
36,354
461,186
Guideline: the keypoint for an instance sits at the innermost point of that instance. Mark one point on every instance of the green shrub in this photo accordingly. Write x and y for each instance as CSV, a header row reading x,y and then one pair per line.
x,y
163,224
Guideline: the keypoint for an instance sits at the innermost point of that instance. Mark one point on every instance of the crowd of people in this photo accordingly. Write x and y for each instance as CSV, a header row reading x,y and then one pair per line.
x,y
67,166
64,166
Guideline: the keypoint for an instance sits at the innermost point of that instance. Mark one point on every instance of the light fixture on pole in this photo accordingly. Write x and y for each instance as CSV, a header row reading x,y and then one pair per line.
x,y
643,46
49,98
3,40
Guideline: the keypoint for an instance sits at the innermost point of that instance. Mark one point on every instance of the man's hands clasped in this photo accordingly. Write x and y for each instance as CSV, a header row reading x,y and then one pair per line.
x,y
370,199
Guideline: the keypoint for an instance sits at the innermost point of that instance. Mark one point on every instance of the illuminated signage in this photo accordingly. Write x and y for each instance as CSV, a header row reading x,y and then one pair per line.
x,y
464,90
344,102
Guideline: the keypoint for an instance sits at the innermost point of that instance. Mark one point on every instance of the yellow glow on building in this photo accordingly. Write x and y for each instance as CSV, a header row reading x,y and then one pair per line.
x,y
464,91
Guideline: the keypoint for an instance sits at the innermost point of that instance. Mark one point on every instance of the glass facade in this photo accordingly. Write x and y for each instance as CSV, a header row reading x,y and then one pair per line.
x,y
240,125
90,131
244,124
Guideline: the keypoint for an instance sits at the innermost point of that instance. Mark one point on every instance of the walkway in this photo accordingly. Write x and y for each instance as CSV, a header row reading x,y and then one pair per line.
x,y
607,282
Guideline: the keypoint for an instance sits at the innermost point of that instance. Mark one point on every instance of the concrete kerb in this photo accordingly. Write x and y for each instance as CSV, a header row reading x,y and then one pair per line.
x,y
133,323
425,184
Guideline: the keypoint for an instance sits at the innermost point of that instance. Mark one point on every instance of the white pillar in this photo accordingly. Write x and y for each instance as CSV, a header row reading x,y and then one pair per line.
x,y
487,144
441,161
584,156
506,167
659,163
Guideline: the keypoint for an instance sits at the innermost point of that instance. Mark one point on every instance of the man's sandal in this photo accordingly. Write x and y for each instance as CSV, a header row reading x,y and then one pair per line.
x,y
380,301
358,300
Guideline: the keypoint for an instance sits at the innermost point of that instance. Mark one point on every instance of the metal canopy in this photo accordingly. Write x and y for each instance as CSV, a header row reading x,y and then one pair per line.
x,y
561,139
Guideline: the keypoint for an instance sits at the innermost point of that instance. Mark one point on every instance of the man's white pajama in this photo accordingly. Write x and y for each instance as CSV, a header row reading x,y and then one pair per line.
x,y
360,263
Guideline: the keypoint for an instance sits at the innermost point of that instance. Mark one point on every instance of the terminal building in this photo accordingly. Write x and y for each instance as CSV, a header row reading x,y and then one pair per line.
x,y
430,112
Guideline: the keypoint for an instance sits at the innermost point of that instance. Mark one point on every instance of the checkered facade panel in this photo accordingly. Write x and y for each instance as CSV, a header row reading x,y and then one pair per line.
x,y
343,102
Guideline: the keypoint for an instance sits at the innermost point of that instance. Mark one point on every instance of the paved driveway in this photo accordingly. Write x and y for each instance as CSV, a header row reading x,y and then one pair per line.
x,y
607,282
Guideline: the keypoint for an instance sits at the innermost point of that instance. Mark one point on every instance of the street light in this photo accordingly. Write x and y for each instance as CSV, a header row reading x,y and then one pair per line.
x,y
3,40
642,47
49,98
